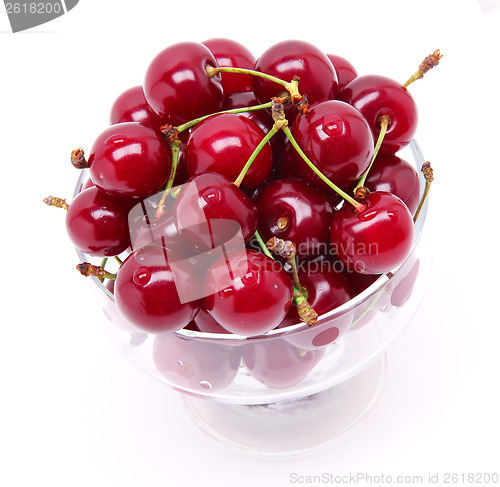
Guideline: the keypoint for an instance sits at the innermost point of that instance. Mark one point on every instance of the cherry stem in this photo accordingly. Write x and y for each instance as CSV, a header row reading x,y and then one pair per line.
x,y
87,269
429,177
357,205
175,146
120,262
276,127
195,121
287,249
78,159
211,71
57,202
262,245
428,63
384,121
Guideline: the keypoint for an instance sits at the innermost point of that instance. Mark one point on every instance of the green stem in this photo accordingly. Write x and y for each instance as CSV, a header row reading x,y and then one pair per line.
x,y
118,260
262,244
175,146
213,71
255,153
193,122
359,206
385,121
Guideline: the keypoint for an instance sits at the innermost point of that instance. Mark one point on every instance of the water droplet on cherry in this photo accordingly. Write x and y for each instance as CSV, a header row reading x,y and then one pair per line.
x,y
141,276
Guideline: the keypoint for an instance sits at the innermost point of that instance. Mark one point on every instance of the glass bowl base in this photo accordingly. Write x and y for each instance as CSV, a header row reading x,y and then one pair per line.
x,y
296,427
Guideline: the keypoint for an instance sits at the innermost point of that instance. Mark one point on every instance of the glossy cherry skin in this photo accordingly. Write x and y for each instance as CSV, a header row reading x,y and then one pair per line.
x,y
293,210
147,295
261,117
318,79
195,365
232,54
130,159
131,106
97,223
206,199
392,174
346,72
326,286
223,144
374,96
279,364
255,299
337,140
207,324
177,86
376,239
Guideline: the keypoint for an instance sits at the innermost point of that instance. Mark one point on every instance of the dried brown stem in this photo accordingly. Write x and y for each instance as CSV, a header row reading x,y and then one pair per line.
x,y
78,159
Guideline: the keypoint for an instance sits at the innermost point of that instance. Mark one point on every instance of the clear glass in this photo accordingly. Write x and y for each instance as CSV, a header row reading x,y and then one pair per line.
x,y
294,389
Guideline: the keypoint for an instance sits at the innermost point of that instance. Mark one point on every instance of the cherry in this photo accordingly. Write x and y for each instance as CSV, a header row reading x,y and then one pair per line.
x,y
206,199
278,364
130,159
223,144
395,175
261,117
177,86
286,59
376,96
403,288
376,239
194,364
97,223
131,106
346,72
232,54
292,210
207,324
148,294
337,140
87,184
326,286
254,292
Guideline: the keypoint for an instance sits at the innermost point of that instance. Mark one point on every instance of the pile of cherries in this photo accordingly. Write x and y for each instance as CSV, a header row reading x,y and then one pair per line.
x,y
240,195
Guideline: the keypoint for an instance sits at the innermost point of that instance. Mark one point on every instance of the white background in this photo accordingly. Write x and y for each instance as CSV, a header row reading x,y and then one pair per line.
x,y
74,412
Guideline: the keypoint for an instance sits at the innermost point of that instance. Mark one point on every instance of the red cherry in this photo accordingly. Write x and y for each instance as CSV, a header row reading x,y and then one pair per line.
x,y
327,288
337,140
207,324
392,174
287,59
405,281
278,364
130,159
97,223
131,106
254,292
375,96
232,54
206,199
177,86
261,117
346,72
292,210
195,365
148,294
223,144
376,239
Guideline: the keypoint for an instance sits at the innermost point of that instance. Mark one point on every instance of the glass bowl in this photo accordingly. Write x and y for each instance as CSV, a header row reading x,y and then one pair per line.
x,y
295,389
